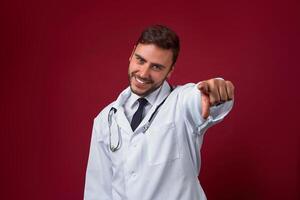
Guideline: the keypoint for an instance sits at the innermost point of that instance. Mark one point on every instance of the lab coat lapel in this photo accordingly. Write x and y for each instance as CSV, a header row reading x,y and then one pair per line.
x,y
121,119
165,91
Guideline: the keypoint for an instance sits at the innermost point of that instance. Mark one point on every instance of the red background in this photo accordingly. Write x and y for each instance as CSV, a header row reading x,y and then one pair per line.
x,y
63,61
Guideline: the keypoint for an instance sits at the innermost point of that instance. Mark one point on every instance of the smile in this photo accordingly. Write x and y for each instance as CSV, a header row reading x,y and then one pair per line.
x,y
141,81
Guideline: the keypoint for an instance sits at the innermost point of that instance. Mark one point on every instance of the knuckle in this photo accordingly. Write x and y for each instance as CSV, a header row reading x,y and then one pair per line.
x,y
230,84
212,100
215,81
224,98
211,82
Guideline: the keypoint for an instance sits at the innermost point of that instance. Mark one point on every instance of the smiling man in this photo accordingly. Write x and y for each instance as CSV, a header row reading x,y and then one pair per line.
x,y
144,80
146,144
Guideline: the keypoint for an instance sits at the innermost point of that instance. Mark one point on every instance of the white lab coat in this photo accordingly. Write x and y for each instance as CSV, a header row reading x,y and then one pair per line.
x,y
162,163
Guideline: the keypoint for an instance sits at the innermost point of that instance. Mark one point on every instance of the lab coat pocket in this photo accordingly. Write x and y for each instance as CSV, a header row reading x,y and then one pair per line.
x,y
162,144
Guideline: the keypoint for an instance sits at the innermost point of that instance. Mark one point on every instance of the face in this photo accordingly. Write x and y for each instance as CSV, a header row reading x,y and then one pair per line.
x,y
149,66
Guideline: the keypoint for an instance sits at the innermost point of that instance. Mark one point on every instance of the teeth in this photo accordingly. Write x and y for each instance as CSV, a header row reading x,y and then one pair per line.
x,y
140,81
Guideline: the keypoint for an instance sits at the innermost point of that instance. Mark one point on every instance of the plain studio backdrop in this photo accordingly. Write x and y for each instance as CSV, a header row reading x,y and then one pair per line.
x,y
63,61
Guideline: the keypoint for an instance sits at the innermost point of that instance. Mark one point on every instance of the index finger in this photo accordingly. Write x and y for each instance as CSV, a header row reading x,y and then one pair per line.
x,y
205,105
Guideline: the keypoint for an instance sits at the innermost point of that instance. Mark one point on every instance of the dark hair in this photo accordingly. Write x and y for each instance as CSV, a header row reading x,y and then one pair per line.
x,y
162,37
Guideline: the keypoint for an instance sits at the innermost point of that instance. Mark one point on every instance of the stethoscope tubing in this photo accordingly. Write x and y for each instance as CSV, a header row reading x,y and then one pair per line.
x,y
113,111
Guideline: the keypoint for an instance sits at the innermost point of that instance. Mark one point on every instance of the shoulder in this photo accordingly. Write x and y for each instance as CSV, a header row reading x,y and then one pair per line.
x,y
186,88
187,96
100,124
183,87
103,114
182,94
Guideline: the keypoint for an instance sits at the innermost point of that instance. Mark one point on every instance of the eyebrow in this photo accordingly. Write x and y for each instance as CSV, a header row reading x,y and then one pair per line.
x,y
144,60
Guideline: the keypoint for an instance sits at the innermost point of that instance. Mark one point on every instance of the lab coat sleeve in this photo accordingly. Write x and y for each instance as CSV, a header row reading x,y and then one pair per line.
x,y
99,171
190,99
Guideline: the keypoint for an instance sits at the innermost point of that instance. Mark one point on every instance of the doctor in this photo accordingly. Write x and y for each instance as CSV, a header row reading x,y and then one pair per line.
x,y
146,144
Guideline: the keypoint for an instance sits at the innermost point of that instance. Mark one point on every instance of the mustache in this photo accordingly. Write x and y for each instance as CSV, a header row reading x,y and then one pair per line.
x,y
147,80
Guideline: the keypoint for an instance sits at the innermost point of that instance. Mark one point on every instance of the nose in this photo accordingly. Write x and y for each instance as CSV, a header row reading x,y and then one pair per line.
x,y
144,71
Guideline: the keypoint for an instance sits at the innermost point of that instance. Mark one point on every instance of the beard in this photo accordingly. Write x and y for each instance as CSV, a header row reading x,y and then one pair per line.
x,y
142,86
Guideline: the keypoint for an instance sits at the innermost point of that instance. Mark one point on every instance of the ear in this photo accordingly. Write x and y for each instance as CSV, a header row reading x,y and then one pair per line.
x,y
171,71
134,47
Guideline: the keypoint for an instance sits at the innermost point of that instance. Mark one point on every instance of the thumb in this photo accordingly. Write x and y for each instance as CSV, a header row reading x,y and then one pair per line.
x,y
205,105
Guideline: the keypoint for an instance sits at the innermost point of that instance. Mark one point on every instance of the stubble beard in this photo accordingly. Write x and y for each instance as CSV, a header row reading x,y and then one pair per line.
x,y
146,92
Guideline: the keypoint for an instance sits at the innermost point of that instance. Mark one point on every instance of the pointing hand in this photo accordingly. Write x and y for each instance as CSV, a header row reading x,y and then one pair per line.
x,y
214,92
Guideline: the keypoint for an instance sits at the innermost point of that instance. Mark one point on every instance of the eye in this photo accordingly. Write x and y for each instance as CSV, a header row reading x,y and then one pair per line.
x,y
156,67
140,60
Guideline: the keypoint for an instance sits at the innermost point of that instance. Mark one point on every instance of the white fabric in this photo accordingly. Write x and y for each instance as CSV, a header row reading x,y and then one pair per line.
x,y
162,163
131,105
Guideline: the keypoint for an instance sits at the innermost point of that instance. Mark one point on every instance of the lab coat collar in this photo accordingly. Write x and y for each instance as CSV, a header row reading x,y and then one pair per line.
x,y
151,98
155,98
121,119
163,93
123,97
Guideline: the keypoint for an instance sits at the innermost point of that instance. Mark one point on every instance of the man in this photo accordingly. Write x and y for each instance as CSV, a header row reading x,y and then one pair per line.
x,y
146,144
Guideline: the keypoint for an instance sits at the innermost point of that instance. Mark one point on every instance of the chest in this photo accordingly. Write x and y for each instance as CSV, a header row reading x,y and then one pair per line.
x,y
158,145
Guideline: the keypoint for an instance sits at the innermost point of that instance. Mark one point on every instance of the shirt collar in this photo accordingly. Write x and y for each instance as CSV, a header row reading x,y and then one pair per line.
x,y
155,98
151,98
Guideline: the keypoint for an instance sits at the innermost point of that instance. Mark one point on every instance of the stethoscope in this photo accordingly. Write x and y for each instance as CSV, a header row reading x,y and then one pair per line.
x,y
113,111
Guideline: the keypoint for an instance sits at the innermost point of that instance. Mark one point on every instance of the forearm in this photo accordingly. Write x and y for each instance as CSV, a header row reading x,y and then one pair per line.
x,y
190,99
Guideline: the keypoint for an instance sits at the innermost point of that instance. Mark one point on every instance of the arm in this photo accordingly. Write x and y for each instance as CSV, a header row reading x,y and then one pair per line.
x,y
99,171
204,106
